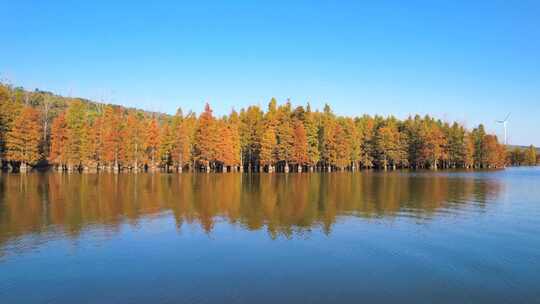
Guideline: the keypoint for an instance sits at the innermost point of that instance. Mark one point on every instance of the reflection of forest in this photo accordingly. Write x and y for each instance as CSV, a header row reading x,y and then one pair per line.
x,y
281,203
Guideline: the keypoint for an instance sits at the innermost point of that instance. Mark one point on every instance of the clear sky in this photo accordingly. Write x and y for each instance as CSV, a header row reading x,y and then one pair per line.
x,y
471,61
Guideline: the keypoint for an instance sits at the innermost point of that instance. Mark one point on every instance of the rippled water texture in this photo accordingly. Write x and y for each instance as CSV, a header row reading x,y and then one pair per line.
x,y
424,237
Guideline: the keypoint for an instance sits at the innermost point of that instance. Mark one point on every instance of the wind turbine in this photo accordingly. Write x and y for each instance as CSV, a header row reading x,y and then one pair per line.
x,y
504,123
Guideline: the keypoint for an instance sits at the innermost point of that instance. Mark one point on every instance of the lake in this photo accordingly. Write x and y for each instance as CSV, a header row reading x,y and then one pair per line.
x,y
408,237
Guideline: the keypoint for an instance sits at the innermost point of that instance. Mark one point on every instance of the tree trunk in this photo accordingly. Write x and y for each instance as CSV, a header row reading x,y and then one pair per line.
x,y
23,168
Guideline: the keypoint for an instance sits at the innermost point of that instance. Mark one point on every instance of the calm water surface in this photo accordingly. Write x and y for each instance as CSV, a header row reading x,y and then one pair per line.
x,y
445,237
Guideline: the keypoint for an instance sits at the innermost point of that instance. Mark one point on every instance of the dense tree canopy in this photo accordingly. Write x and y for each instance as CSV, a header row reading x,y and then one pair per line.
x,y
74,134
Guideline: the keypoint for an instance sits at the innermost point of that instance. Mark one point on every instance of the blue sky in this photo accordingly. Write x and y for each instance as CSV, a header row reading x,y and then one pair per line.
x,y
471,61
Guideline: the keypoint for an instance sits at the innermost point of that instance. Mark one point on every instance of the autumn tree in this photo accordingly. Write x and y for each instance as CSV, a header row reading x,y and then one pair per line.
x,y
181,153
76,124
206,139
326,141
133,141
366,131
151,144
166,145
352,138
337,147
387,146
433,143
251,130
9,111
456,145
80,134
58,154
24,138
300,154
468,153
268,153
234,126
285,136
312,134
478,136
112,140
530,156
90,144
493,153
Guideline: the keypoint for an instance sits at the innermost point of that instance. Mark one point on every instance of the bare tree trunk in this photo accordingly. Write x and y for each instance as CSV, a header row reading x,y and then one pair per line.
x,y
23,168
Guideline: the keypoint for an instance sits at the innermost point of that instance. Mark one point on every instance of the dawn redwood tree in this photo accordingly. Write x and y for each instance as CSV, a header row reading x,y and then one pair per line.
x,y
366,130
251,130
76,124
112,140
387,146
338,148
285,136
9,111
300,155
433,142
206,139
493,152
58,154
88,149
181,153
133,140
468,151
326,141
24,139
353,140
152,141
268,149
312,134
478,136
234,126
166,145
224,146
456,145
530,156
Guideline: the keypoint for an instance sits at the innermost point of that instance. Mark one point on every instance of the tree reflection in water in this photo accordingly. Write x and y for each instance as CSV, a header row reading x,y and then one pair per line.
x,y
282,204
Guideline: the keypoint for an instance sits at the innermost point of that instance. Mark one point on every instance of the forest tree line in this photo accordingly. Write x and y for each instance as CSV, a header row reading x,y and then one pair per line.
x,y
39,128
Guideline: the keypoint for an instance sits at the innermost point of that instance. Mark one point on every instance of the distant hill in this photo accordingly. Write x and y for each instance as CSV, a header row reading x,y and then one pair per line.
x,y
55,103
512,147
